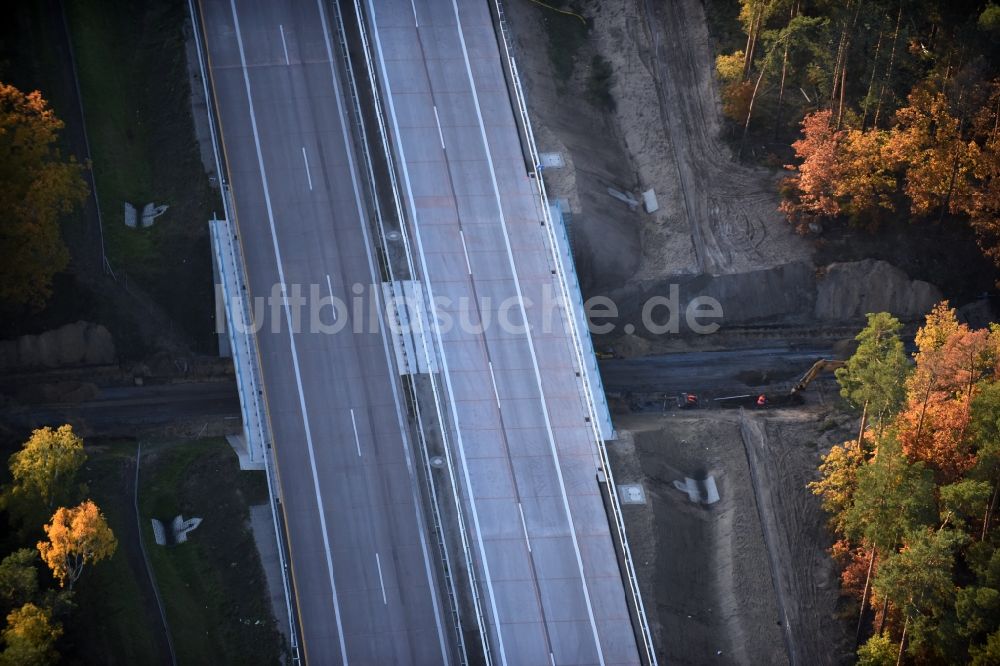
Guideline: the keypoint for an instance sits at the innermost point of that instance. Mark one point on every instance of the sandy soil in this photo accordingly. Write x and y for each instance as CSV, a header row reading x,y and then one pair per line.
x,y
731,210
787,448
729,588
708,573
715,216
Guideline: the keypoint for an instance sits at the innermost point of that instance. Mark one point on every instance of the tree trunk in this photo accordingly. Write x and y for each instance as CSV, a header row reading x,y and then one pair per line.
x,y
746,49
752,43
781,91
864,598
946,204
840,110
871,81
861,430
989,511
902,641
888,69
885,611
753,98
923,409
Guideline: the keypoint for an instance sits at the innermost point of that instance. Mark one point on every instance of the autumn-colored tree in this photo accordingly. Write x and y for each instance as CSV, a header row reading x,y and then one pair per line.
x,y
812,191
983,205
879,650
939,325
76,537
865,182
940,163
29,638
951,361
842,172
923,543
933,431
856,565
838,481
37,186
736,99
730,67
47,464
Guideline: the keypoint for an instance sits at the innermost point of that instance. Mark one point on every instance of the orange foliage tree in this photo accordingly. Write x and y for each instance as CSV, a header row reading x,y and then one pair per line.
x,y
951,362
77,537
37,186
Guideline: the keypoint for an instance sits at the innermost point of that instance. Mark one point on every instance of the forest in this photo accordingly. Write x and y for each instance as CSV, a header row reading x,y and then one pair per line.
x,y
888,109
913,499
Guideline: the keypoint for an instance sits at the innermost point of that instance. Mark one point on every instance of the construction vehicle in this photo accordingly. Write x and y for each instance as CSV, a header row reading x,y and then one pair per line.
x,y
687,401
820,366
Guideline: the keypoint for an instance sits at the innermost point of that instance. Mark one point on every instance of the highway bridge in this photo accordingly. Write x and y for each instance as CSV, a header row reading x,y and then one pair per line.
x,y
434,444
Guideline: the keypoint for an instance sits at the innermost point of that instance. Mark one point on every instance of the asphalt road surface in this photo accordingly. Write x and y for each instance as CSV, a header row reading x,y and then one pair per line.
x,y
365,581
521,445
524,451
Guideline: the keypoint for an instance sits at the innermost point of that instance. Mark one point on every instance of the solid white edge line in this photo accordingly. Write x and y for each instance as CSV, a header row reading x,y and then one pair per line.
x,y
291,338
531,344
284,44
308,175
381,581
444,359
465,249
445,653
524,526
437,119
329,288
493,380
357,440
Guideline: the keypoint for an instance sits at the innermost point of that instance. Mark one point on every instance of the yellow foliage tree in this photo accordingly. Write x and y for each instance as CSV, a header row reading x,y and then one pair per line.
x,y
838,480
939,163
36,186
47,463
730,67
77,537
866,180
29,637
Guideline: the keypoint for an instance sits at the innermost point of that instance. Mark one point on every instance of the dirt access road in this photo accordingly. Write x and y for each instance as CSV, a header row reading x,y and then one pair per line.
x,y
730,208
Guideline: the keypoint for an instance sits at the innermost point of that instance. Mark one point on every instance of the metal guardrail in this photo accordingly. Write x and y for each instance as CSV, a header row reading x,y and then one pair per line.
x,y
619,521
250,342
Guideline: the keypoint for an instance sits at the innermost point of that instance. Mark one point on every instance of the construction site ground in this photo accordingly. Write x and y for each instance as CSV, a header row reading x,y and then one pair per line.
x,y
745,580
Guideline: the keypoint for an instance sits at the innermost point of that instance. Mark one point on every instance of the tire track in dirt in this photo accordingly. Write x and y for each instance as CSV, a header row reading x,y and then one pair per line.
x,y
730,208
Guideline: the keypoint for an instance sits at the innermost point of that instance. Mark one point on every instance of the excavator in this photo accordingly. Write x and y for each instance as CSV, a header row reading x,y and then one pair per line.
x,y
820,366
